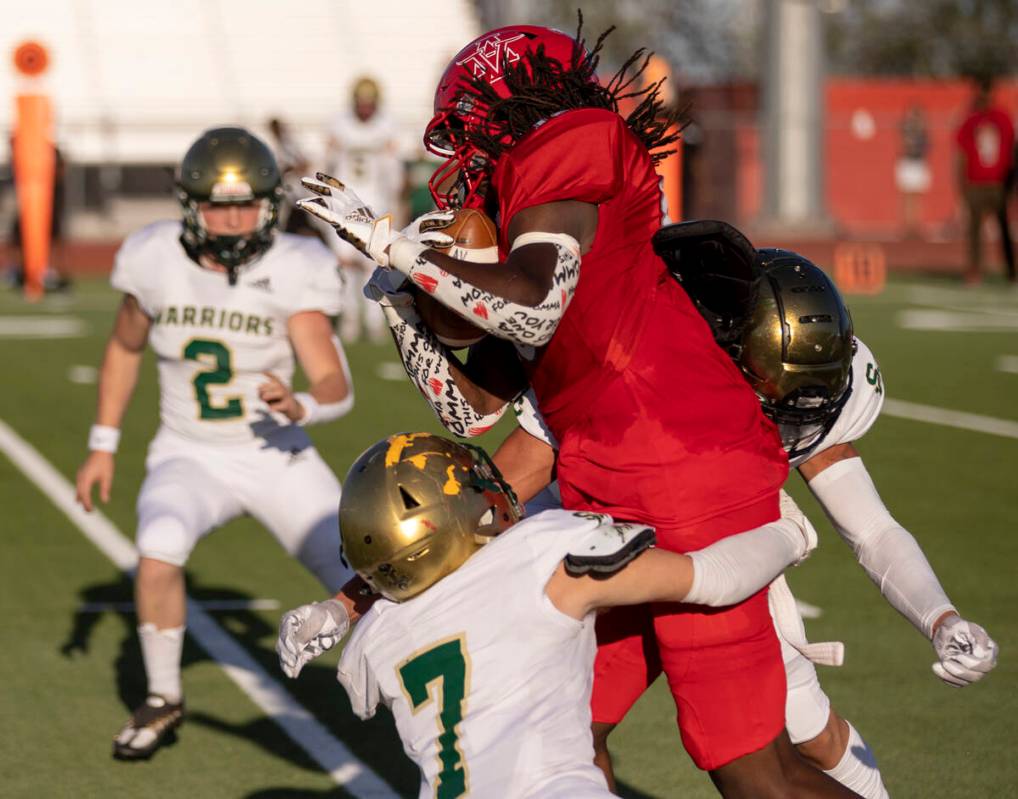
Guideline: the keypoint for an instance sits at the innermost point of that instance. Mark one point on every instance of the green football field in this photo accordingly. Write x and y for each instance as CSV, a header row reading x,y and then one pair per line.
x,y
71,667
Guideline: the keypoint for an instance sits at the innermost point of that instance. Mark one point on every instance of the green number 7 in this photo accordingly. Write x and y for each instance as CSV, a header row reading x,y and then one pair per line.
x,y
445,663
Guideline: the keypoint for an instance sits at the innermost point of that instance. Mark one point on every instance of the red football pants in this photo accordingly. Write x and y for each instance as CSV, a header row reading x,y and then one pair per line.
x,y
723,665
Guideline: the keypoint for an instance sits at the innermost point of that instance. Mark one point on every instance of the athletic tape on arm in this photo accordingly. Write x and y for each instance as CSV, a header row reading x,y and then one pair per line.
x,y
887,551
496,315
426,361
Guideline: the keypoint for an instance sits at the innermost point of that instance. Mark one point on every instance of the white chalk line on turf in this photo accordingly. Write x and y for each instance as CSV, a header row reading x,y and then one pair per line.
x,y
961,420
304,729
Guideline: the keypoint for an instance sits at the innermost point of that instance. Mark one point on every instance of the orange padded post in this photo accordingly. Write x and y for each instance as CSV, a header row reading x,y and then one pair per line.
x,y
670,169
34,168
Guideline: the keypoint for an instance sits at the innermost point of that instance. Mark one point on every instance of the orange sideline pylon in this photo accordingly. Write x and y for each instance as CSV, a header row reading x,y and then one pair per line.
x,y
34,168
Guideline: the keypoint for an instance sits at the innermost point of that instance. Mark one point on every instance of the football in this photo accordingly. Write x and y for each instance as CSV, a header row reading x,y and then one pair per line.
x,y
475,238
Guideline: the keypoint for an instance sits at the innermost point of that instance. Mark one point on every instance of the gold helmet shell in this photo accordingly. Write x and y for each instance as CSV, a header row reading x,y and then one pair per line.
x,y
797,343
415,506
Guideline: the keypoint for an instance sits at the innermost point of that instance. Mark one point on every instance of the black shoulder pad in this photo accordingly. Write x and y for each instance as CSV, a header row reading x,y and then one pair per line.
x,y
716,265
608,548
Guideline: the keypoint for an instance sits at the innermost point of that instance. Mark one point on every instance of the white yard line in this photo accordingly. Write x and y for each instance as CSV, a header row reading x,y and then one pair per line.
x,y
1008,363
948,418
214,605
35,327
305,730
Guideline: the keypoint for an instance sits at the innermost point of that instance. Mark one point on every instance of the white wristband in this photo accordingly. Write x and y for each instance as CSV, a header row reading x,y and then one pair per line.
x,y
102,438
315,412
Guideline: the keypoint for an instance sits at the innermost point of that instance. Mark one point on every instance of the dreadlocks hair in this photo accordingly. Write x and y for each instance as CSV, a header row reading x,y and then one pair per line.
x,y
540,87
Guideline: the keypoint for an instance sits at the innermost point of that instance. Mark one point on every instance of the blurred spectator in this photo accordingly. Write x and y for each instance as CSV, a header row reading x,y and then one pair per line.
x,y
293,165
362,152
912,172
986,152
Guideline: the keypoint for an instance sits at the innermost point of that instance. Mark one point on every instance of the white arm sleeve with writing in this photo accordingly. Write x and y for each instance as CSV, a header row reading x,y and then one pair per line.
x,y
503,318
426,361
887,551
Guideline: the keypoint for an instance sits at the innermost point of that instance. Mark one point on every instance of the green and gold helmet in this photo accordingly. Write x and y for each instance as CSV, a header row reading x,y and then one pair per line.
x,y
797,343
415,506
228,166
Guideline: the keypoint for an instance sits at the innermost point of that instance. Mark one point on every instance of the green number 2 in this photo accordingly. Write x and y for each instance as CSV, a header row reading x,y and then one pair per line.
x,y
445,662
216,355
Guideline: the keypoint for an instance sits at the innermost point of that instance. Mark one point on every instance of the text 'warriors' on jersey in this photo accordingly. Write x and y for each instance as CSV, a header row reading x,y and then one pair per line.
x,y
213,341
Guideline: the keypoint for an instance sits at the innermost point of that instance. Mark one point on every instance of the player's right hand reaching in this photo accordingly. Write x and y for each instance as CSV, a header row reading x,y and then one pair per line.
x,y
309,631
966,652
97,468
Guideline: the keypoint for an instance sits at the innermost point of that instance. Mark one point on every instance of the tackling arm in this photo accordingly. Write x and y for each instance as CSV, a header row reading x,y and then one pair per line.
x,y
895,562
887,551
724,573
526,463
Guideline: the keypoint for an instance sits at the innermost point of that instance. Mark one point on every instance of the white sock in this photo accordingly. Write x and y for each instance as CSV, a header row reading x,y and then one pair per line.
x,y
858,768
161,651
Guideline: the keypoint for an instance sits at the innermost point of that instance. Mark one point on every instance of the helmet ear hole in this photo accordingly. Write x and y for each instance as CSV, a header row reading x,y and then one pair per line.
x,y
409,503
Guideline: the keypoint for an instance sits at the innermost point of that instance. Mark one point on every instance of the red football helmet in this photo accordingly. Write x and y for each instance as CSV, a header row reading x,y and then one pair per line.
x,y
456,182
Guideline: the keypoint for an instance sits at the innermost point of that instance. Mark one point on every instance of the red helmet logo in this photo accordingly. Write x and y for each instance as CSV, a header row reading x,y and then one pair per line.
x,y
458,180
490,55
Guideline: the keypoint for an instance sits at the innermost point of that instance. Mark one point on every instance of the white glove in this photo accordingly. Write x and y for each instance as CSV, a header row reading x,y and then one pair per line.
x,y
427,229
388,287
350,216
790,510
309,631
966,652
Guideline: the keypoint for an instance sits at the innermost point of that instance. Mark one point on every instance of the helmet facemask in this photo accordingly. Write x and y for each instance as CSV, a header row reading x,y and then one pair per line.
x,y
229,251
797,347
228,166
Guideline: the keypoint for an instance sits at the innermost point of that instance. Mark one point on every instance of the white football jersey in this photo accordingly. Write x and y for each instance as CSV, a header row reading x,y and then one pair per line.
x,y
855,419
488,682
858,414
367,160
213,340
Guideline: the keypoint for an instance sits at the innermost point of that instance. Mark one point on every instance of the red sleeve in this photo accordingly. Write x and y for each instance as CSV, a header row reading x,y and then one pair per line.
x,y
574,156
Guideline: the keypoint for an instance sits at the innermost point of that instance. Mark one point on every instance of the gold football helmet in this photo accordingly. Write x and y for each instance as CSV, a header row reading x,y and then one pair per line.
x,y
797,343
415,506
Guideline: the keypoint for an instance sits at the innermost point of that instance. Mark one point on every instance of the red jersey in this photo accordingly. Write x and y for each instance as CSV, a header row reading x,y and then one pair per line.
x,y
986,138
654,422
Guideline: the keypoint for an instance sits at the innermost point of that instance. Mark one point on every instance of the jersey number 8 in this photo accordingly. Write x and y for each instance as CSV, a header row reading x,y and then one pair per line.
x,y
216,355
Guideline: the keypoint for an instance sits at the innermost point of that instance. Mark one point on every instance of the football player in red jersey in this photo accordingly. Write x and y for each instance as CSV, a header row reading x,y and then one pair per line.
x,y
652,418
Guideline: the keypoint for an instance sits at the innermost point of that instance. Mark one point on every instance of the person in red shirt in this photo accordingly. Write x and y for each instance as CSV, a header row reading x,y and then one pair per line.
x,y
986,142
654,422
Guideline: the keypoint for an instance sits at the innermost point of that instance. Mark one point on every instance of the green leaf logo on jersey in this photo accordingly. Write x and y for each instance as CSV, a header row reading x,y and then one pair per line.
x,y
216,355
446,663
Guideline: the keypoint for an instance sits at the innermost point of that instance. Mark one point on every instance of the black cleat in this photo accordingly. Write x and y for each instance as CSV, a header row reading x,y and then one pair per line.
x,y
148,728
